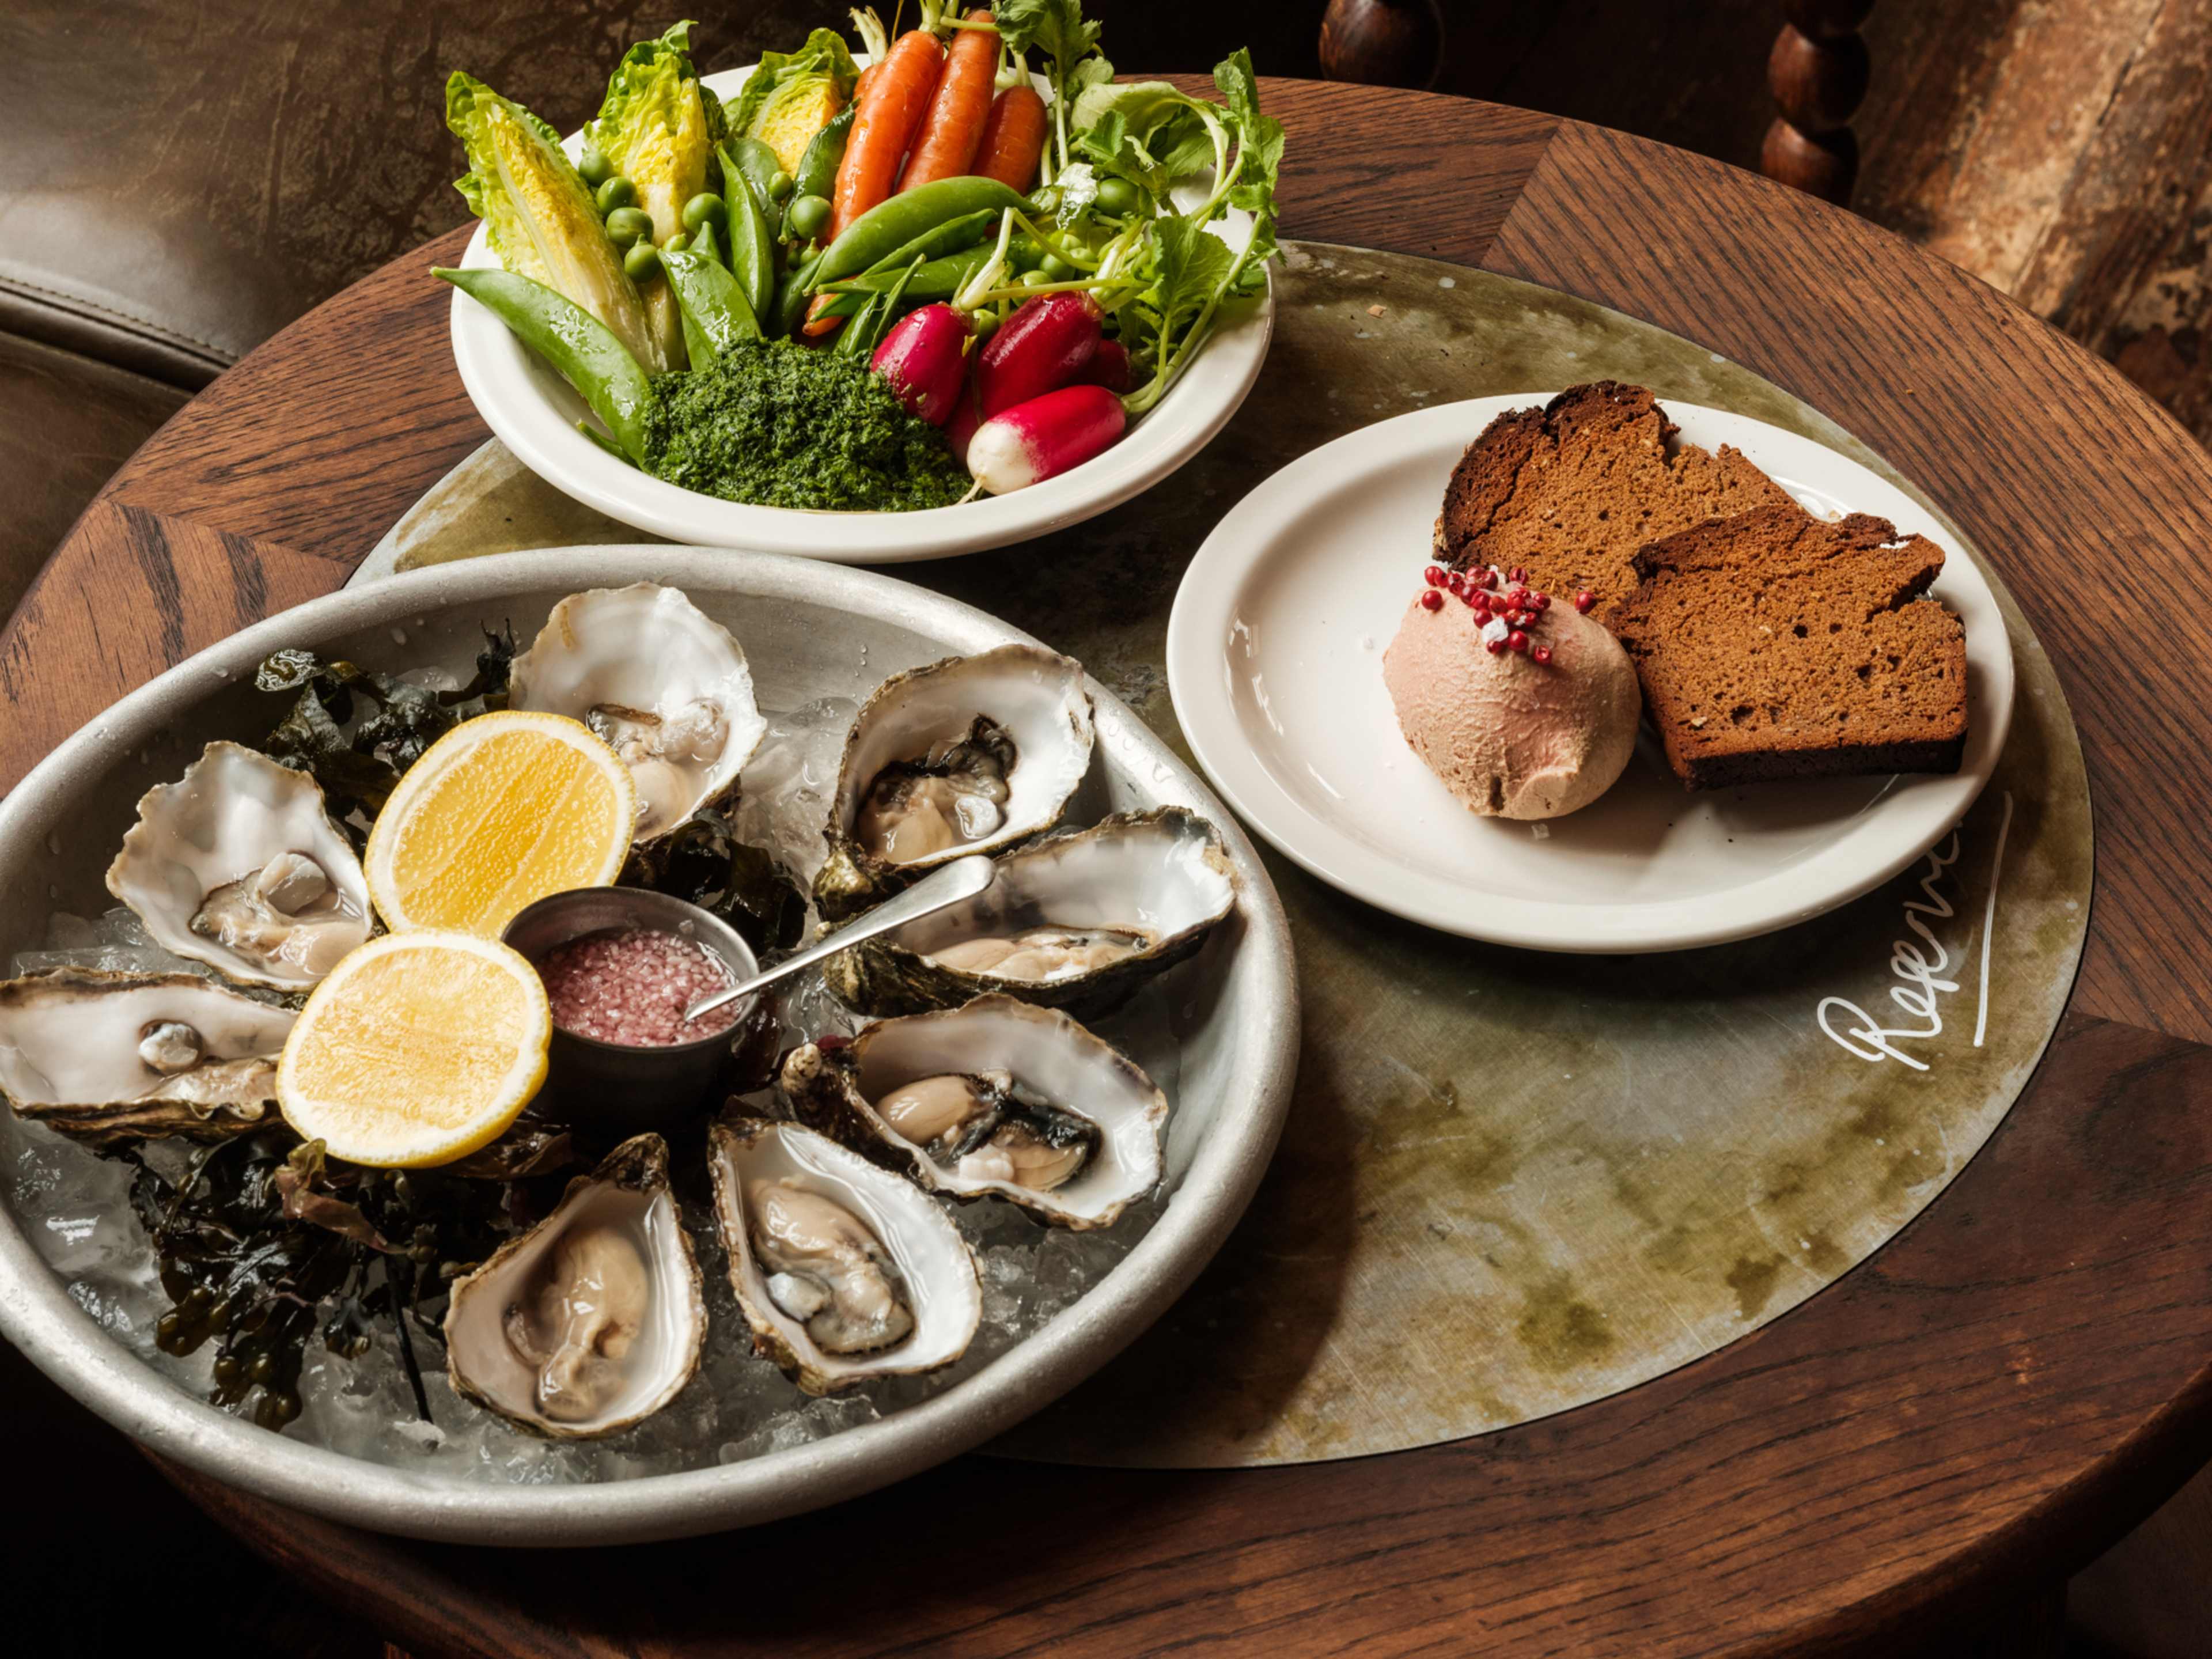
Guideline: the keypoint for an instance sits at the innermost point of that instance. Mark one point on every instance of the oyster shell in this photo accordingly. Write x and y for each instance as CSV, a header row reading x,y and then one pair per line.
x,y
592,1319
663,683
844,1271
107,1056
969,755
998,1098
238,865
1076,921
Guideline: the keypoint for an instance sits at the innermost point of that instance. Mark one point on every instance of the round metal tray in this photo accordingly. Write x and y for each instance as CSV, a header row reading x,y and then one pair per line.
x,y
809,630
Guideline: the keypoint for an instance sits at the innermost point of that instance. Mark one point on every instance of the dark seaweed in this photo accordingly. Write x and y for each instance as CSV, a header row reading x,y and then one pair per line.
x,y
702,861
264,1233
354,731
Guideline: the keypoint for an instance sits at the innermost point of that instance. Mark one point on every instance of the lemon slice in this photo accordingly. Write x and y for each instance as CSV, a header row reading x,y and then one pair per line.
x,y
416,1048
500,811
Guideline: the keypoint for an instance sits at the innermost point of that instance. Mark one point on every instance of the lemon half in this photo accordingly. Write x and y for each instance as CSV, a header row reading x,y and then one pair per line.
x,y
499,813
417,1048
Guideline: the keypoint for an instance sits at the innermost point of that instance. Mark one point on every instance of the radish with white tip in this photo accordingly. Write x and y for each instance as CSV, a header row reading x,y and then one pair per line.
x,y
1044,437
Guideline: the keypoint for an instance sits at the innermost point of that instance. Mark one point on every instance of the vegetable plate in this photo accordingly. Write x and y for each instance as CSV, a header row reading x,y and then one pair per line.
x,y
950,291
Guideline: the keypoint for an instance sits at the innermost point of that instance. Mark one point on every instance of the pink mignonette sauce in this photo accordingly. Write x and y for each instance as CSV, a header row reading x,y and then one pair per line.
x,y
629,985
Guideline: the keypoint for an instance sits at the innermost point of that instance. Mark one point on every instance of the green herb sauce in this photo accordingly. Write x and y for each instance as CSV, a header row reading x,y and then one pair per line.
x,y
776,424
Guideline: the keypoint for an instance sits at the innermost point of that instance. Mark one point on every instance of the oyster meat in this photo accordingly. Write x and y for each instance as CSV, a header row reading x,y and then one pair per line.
x,y
969,755
996,1099
662,683
844,1271
237,866
110,1056
1077,921
592,1319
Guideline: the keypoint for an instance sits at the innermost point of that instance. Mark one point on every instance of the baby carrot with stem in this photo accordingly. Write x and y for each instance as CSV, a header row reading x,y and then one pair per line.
x,y
1012,139
946,145
896,99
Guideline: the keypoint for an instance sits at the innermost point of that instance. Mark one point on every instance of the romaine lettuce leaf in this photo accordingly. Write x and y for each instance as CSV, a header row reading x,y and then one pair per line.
x,y
654,128
539,214
792,95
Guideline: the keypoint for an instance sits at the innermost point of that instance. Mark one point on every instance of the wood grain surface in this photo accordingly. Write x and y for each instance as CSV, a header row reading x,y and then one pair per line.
x,y
1992,1399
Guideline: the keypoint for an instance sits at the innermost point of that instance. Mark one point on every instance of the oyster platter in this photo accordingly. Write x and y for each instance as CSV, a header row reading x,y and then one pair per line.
x,y
309,1117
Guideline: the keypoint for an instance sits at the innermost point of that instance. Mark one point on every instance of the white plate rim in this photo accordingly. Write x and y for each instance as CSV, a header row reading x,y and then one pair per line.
x,y
533,413
1913,821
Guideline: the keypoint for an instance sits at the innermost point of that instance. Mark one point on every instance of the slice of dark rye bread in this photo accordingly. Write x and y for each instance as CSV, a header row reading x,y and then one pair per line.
x,y
1569,492
1777,645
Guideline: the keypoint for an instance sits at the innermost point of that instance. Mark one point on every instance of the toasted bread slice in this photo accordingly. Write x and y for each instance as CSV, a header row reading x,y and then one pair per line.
x,y
1569,492
1775,645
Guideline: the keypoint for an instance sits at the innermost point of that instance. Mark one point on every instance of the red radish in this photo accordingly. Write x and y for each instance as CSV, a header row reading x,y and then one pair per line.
x,y
1046,343
924,360
1108,367
1044,437
960,430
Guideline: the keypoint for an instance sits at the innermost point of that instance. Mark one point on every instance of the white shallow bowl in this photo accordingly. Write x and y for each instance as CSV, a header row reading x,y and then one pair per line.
x,y
809,630
1275,662
535,412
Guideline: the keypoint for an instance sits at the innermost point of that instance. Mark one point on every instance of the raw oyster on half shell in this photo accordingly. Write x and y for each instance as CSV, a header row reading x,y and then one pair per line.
x,y
1076,921
664,685
969,755
106,1056
237,865
845,1272
592,1319
998,1098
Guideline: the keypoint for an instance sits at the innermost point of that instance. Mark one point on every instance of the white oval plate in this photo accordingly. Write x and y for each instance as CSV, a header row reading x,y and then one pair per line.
x,y
534,412
1275,662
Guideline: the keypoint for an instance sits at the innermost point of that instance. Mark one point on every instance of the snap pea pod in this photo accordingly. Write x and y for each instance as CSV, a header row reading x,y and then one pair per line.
x,y
752,251
817,168
938,279
757,163
879,324
698,346
791,298
888,226
950,237
853,341
712,300
582,348
604,442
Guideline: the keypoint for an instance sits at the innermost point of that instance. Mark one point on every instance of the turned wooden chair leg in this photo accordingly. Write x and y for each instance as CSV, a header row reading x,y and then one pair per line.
x,y
1818,70
1382,43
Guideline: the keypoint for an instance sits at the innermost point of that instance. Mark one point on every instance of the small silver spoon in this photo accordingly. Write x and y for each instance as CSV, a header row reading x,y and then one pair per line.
x,y
948,884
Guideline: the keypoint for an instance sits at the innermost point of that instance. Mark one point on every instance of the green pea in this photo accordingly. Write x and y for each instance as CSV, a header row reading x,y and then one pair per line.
x,y
594,166
627,225
779,186
1025,253
1053,266
676,244
1117,197
809,218
983,324
705,208
1037,278
615,192
643,262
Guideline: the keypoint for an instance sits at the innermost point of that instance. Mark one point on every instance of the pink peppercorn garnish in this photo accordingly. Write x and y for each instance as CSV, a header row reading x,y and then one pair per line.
x,y
1434,576
1540,653
629,987
1432,600
1584,601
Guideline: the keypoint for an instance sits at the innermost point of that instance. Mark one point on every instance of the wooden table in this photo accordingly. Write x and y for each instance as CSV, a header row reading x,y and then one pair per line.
x,y
1985,1405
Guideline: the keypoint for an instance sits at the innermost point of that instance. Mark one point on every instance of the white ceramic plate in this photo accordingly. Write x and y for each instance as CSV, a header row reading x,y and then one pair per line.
x,y
1275,661
535,412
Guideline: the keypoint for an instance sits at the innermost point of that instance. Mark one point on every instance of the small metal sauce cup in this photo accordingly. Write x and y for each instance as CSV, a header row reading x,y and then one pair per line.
x,y
611,1087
